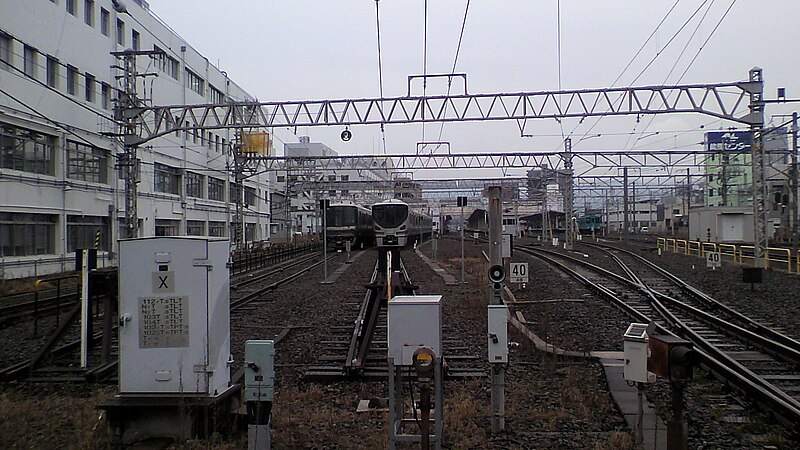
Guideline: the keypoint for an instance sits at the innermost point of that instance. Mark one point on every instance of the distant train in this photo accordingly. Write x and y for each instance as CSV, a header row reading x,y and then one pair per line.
x,y
589,223
397,225
347,222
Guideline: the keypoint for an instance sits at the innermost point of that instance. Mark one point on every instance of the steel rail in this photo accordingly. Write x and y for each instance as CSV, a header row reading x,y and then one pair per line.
x,y
249,297
750,324
717,361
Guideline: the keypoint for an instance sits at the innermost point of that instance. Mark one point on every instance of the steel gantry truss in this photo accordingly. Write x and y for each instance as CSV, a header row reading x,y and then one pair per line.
x,y
721,100
668,160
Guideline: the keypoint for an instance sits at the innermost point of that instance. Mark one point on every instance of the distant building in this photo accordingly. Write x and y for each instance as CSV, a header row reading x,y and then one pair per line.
x,y
59,187
304,188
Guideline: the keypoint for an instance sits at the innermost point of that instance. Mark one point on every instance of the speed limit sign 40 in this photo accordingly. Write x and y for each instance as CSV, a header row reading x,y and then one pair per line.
x,y
519,273
713,260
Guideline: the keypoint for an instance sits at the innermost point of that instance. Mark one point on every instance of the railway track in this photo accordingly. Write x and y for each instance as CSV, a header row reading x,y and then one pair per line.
x,y
757,361
360,348
54,362
245,291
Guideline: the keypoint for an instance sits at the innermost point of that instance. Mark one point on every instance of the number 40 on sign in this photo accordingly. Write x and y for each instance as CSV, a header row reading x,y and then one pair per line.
x,y
713,260
519,273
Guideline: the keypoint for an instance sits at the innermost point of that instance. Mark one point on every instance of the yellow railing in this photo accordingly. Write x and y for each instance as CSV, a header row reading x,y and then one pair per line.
x,y
779,255
681,246
728,250
706,247
694,247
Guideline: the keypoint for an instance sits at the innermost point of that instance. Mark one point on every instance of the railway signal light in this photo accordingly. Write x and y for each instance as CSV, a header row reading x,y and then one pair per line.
x,y
671,357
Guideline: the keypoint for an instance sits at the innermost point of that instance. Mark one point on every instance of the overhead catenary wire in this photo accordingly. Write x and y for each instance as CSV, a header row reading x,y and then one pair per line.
x,y
655,57
36,112
424,61
380,69
453,70
702,46
677,61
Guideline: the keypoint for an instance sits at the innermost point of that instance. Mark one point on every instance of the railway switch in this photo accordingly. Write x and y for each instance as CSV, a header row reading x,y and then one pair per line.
x,y
259,387
671,357
635,351
414,321
498,334
259,374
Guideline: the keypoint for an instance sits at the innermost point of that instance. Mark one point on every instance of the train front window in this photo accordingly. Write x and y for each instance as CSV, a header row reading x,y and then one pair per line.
x,y
341,216
389,216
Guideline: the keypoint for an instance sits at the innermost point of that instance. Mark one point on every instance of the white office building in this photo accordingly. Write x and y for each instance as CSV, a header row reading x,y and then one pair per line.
x,y
59,187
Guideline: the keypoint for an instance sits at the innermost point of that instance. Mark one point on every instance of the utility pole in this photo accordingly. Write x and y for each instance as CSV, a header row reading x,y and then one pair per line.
x,y
634,221
569,226
793,183
128,112
688,201
237,228
496,259
759,184
625,201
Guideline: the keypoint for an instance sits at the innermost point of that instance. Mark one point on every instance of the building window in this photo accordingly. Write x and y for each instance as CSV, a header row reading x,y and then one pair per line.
x,y
53,69
216,229
194,82
27,234
88,12
72,80
30,56
6,51
195,228
120,32
167,227
105,21
90,81
711,192
166,63
86,163
194,185
250,197
217,96
135,39
249,232
88,232
216,189
106,96
167,180
70,5
26,150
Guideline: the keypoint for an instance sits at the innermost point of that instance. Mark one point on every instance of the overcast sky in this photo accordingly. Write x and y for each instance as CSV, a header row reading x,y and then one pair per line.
x,y
303,50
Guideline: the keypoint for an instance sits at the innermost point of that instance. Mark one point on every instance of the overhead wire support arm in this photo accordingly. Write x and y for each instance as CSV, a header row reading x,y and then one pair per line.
x,y
720,100
449,77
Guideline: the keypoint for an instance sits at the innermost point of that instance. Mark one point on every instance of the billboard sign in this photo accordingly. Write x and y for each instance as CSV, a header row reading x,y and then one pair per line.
x,y
729,141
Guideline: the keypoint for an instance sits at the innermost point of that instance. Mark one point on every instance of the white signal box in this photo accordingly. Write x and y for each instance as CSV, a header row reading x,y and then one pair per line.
x,y
414,321
635,351
174,306
498,334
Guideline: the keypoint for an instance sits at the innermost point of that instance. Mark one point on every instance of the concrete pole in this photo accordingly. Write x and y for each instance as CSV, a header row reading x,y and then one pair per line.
x,y
793,183
463,228
625,201
495,258
757,159
569,226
